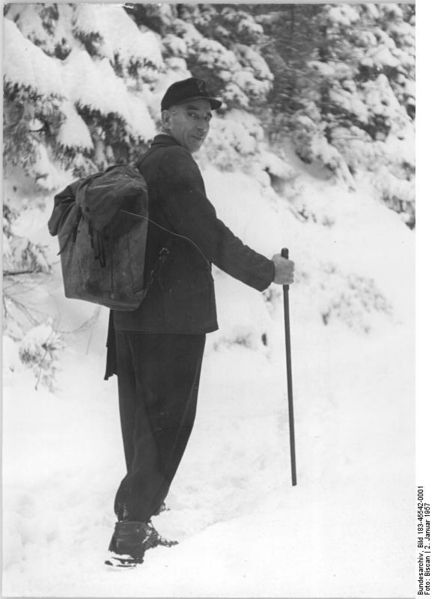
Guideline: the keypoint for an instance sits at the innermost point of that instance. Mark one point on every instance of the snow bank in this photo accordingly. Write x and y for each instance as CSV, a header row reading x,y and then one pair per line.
x,y
243,530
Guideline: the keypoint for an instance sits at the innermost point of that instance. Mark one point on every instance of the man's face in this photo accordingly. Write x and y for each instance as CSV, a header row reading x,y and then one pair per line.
x,y
188,123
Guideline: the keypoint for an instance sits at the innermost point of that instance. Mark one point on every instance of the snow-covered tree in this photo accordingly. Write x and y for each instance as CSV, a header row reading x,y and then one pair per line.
x,y
344,90
219,43
77,83
77,76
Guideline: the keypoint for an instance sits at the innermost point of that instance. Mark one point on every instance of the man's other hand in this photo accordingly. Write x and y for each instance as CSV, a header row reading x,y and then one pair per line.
x,y
284,270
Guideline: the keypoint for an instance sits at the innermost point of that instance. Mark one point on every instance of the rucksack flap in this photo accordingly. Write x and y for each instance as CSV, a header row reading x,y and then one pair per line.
x,y
101,196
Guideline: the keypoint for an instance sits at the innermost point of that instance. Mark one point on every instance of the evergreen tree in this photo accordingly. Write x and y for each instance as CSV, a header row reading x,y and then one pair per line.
x,y
343,90
74,101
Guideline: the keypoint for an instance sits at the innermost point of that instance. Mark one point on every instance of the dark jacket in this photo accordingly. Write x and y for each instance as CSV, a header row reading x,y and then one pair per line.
x,y
181,297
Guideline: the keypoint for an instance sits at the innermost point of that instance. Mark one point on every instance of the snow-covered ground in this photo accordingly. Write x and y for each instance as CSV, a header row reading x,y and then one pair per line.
x,y
346,529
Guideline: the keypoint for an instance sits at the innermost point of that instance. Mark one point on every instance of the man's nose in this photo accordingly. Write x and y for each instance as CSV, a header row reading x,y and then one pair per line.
x,y
203,125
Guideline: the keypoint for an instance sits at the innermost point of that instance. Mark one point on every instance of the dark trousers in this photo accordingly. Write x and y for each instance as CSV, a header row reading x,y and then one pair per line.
x,y
158,379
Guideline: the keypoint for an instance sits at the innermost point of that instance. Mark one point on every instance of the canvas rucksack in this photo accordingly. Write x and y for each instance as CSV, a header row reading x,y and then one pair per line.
x,y
101,222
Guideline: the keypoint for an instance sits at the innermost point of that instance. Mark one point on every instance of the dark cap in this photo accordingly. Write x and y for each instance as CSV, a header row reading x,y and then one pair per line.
x,y
188,89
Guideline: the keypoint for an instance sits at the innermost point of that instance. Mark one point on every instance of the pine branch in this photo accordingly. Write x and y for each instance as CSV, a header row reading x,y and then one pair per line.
x,y
21,307
14,273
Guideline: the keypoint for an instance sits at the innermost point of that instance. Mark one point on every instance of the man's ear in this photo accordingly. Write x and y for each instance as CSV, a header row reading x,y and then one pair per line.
x,y
165,118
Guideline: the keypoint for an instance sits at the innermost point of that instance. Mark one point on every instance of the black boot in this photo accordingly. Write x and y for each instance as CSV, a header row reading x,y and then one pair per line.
x,y
130,541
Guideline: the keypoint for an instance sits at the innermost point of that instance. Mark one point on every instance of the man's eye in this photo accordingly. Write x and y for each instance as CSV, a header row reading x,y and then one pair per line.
x,y
193,115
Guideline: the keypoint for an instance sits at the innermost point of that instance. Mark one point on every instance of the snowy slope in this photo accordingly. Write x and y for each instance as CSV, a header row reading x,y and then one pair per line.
x,y
347,529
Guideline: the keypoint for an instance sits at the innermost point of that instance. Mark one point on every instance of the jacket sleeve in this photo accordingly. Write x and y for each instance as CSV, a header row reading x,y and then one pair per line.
x,y
191,214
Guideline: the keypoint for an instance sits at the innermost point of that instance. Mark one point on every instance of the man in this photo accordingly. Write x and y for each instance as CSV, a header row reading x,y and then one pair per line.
x,y
159,346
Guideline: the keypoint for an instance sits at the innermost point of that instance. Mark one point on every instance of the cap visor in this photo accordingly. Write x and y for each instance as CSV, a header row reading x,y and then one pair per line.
x,y
214,104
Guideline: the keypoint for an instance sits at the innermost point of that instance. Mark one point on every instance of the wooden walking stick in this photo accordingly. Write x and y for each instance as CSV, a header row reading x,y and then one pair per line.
x,y
285,254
